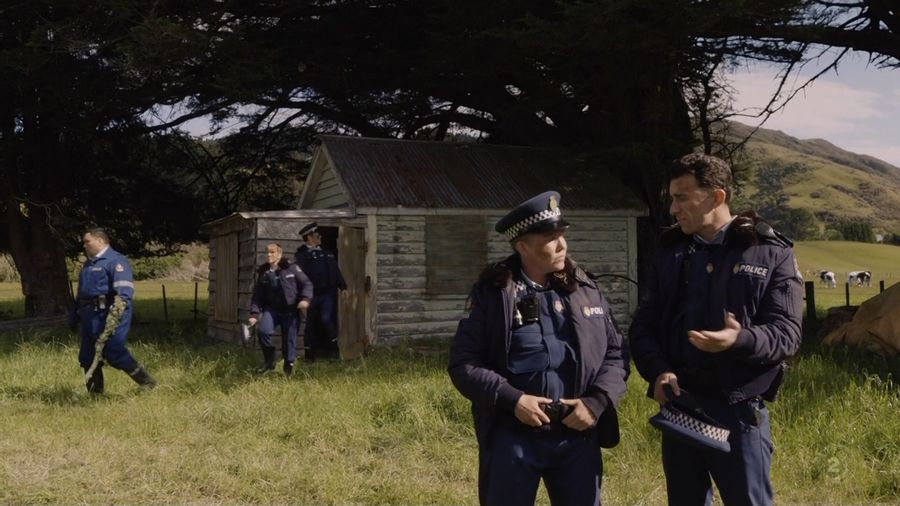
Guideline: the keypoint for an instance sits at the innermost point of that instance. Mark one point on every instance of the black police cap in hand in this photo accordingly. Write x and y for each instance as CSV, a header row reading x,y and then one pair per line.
x,y
540,213
684,419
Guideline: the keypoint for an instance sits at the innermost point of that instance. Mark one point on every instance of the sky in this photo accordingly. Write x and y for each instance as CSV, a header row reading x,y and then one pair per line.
x,y
856,108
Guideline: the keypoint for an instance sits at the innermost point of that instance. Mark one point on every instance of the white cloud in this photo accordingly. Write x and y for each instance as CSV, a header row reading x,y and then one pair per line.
x,y
823,109
859,117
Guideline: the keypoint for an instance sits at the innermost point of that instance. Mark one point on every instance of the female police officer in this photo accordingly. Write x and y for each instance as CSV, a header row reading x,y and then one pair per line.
x,y
282,289
543,365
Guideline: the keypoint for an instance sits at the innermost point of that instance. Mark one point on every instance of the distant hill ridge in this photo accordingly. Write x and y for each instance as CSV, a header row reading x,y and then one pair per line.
x,y
823,178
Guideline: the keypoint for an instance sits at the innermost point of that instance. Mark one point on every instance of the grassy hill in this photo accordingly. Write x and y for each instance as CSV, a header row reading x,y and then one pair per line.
x,y
822,178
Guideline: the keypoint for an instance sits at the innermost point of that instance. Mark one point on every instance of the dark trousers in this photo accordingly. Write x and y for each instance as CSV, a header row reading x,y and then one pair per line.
x,y
115,353
568,461
321,323
742,476
287,320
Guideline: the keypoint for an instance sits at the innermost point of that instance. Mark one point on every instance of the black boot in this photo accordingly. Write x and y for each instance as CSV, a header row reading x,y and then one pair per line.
x,y
95,382
288,368
268,361
143,378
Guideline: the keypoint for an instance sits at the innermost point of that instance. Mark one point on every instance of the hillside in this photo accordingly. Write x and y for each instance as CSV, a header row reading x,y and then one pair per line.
x,y
822,178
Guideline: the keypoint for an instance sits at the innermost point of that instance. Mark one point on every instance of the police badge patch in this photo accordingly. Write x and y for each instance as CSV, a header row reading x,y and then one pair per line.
x,y
558,306
120,268
758,271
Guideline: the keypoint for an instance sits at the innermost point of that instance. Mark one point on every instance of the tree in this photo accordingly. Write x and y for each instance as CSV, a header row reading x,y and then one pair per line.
x,y
78,78
624,84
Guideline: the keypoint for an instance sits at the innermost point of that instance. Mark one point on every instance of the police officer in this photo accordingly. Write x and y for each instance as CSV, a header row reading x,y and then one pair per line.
x,y
321,266
544,366
721,313
105,277
282,291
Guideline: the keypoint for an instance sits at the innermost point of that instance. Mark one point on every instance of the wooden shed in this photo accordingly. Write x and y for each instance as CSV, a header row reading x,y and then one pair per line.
x,y
412,224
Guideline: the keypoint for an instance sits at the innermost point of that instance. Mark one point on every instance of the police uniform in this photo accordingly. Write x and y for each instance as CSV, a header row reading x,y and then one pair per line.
x,y
555,341
102,279
750,271
274,303
320,335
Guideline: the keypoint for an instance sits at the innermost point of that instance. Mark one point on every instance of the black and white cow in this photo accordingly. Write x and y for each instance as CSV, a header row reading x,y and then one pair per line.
x,y
828,279
859,278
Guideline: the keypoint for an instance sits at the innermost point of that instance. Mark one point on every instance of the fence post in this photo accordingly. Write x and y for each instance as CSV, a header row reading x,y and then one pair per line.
x,y
196,284
881,286
847,292
810,301
165,304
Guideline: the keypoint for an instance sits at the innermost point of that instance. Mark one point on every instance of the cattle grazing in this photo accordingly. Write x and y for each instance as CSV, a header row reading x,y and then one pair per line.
x,y
828,279
859,278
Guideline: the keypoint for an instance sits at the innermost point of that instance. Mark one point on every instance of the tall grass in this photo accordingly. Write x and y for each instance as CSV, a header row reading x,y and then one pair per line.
x,y
386,429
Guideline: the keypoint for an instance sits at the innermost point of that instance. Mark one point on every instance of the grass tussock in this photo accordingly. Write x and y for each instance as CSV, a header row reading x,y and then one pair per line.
x,y
386,429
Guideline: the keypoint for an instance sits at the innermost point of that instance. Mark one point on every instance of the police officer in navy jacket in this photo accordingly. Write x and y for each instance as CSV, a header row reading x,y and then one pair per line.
x,y
543,365
321,266
720,315
105,277
282,290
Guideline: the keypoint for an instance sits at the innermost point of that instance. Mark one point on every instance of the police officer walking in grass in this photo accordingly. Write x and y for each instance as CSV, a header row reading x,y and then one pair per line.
x,y
321,266
282,290
721,314
105,281
542,363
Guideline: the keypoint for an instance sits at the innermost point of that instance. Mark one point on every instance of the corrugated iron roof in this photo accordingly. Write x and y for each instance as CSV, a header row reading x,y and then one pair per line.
x,y
394,172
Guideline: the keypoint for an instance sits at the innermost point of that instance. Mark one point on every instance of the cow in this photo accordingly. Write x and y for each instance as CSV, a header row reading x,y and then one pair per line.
x,y
859,278
828,279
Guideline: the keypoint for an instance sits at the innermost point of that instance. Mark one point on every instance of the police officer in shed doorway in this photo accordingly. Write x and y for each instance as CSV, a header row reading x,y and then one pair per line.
x,y
320,336
282,291
105,277
543,364
721,313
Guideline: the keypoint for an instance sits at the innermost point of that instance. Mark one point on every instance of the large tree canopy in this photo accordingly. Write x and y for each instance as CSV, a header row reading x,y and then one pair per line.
x,y
626,84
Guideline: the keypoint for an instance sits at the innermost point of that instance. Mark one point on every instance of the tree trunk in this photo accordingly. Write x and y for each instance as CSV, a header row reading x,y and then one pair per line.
x,y
40,259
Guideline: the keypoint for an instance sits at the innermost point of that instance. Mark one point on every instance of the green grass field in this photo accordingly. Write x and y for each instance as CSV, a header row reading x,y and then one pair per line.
x,y
883,260
386,429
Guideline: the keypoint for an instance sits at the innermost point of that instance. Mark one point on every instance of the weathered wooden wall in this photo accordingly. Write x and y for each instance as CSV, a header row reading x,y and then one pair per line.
x,y
601,244
328,193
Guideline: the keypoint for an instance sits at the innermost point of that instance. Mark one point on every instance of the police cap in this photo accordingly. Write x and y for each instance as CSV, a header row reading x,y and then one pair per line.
x,y
308,229
540,213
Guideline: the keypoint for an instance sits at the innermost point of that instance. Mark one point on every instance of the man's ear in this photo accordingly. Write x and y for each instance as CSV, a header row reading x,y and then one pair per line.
x,y
719,197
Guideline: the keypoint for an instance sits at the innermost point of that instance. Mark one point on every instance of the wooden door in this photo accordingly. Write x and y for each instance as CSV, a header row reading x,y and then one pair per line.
x,y
351,305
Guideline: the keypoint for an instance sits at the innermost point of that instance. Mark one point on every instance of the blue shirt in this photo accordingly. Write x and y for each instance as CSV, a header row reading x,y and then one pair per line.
x,y
107,274
541,355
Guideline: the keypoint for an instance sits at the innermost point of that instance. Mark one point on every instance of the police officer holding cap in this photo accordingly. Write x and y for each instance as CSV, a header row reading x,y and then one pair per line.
x,y
720,315
105,278
543,365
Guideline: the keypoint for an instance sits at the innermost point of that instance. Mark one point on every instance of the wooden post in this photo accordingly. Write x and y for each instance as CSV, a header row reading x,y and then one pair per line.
x,y
196,284
165,304
847,292
881,286
810,301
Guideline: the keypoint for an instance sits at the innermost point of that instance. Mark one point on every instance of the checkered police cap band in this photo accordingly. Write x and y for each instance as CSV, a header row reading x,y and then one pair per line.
x,y
514,231
690,423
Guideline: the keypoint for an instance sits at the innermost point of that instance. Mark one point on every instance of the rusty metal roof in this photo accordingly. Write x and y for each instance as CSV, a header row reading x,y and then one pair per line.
x,y
427,174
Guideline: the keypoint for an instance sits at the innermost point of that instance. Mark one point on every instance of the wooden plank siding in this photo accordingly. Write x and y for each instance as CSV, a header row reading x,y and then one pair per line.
x,y
328,193
602,244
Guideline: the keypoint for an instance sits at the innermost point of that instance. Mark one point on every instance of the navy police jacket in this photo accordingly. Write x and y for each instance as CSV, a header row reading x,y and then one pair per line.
x,y
755,277
321,267
480,349
280,289
106,275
